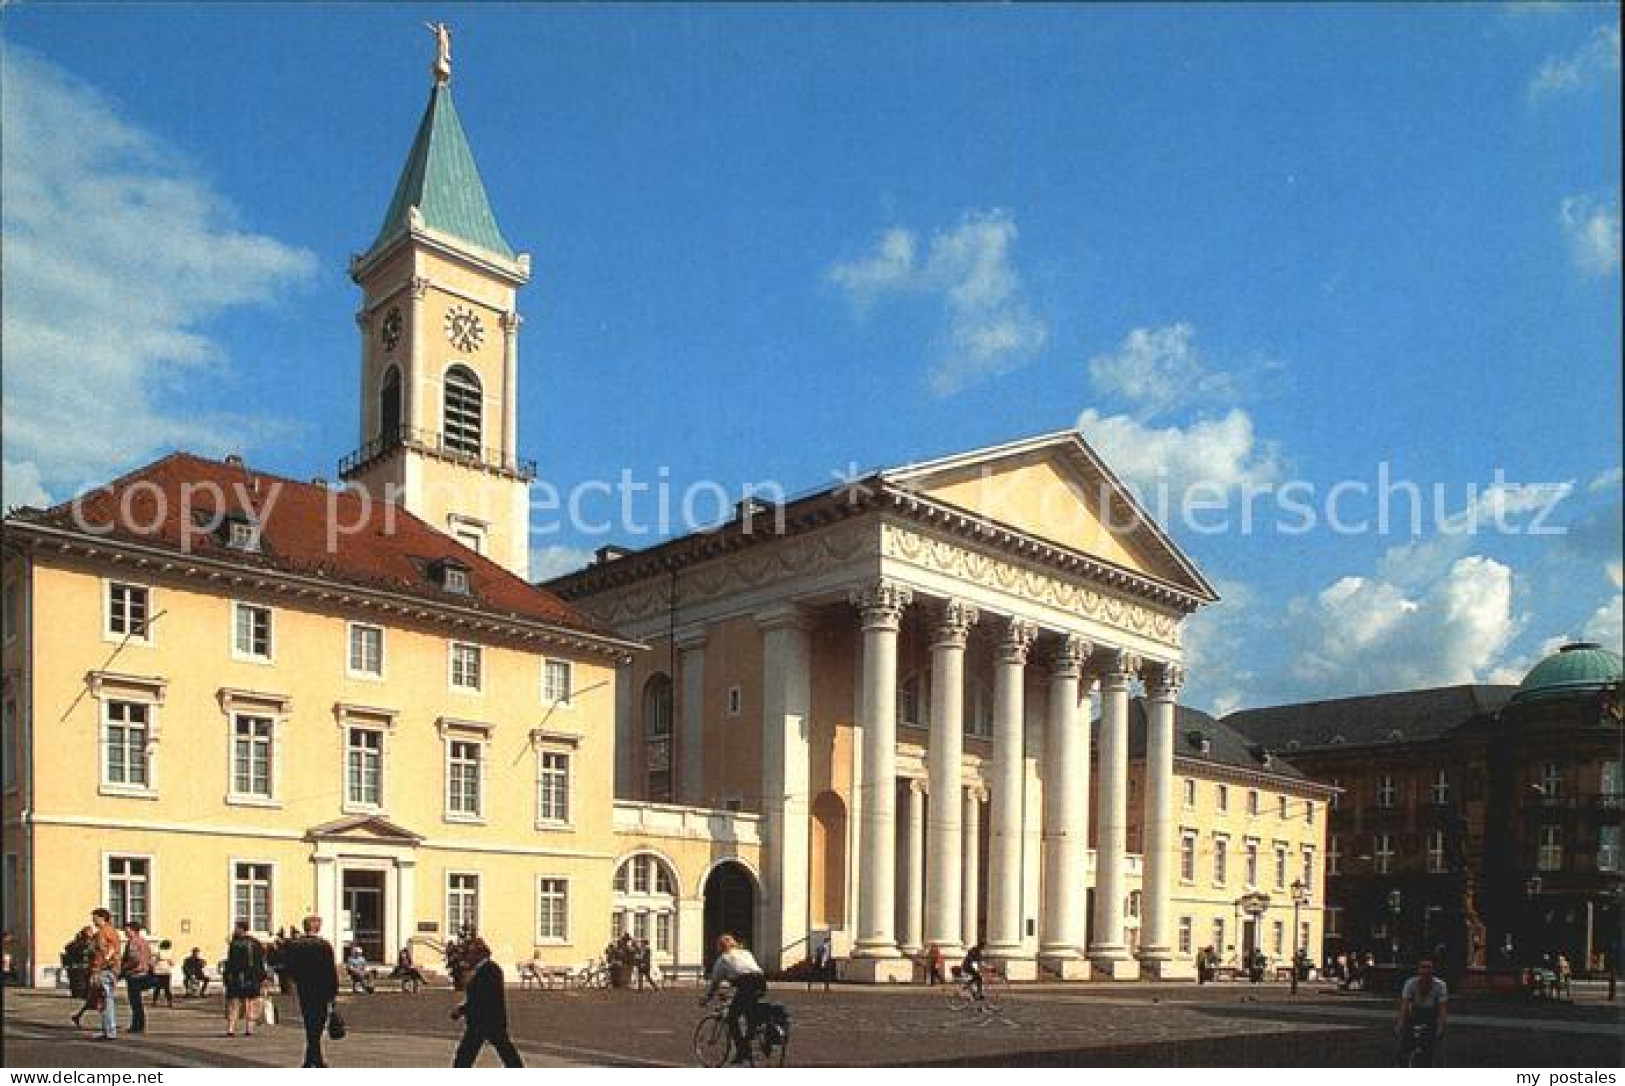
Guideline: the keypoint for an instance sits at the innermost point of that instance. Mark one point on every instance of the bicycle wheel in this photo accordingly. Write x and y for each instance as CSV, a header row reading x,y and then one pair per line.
x,y
995,990
958,994
774,1056
712,1043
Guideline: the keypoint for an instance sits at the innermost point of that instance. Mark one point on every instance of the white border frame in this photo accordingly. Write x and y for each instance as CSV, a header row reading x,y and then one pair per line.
x,y
152,882
350,626
569,911
445,898
145,640
231,890
237,654
452,644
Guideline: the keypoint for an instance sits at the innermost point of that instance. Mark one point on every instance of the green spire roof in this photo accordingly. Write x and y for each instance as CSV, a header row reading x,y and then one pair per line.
x,y
442,182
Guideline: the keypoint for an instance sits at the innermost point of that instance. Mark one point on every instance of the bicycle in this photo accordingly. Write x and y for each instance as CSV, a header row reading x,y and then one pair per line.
x,y
961,990
768,1035
1419,1044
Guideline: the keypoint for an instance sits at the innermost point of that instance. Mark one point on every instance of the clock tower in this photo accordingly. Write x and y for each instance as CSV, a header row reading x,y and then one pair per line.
x,y
440,348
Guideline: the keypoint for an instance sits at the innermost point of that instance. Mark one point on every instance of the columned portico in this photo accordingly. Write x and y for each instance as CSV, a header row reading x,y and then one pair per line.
x,y
971,825
876,956
1108,951
1162,688
945,762
1066,814
913,867
1004,942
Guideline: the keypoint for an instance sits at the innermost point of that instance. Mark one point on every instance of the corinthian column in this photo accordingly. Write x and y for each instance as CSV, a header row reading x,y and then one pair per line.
x,y
945,762
1108,952
972,860
876,957
1156,949
1005,822
913,867
1066,815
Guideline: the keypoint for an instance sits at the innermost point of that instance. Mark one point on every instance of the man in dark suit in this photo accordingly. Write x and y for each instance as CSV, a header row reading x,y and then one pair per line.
x,y
308,961
485,1010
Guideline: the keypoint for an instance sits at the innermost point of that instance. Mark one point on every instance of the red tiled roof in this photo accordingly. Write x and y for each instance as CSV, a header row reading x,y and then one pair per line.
x,y
174,502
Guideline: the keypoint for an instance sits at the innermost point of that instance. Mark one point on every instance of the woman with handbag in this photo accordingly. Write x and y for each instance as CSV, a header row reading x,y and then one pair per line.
x,y
244,976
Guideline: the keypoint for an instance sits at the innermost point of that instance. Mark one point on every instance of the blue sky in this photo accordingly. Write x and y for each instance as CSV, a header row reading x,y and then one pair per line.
x,y
1238,245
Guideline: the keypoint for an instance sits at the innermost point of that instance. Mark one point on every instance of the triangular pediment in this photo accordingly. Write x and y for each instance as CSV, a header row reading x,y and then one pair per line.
x,y
363,828
1057,489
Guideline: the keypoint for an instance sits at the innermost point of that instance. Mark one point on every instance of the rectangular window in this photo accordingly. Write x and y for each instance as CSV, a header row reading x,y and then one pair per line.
x,y
1334,856
1436,863
1187,857
1309,868
640,926
1608,848
462,902
465,666
1251,861
556,681
366,650
1218,934
1278,938
1550,857
1280,806
472,538
1309,811
736,701
553,787
1186,938
1551,780
1224,797
1221,850
1252,801
364,767
125,749
463,764
553,910
1386,790
1441,788
129,890
251,895
251,631
127,610
1382,852
1610,787
662,944
1303,935
1190,792
251,755
1334,922
1280,867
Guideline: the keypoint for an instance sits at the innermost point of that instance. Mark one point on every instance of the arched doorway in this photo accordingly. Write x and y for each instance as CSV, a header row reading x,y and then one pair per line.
x,y
730,906
828,867
644,904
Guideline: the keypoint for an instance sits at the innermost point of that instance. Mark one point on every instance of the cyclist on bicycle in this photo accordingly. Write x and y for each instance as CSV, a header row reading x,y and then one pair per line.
x,y
737,966
971,970
1424,1009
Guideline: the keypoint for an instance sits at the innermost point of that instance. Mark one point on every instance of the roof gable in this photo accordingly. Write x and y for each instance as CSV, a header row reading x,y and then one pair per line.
x,y
1056,488
363,827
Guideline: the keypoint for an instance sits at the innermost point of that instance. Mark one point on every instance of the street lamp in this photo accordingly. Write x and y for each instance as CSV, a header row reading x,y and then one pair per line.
x,y
1300,898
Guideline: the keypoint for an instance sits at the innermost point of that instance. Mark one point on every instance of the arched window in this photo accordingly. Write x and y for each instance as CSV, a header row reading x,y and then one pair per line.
x,y
389,407
463,410
657,736
645,903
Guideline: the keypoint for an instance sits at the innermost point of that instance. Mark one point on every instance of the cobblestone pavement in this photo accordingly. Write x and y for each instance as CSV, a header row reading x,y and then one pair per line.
x,y
1139,1025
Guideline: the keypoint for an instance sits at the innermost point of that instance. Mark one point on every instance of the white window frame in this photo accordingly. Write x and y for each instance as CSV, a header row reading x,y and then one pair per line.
x,y
1222,797
1441,787
1608,852
1281,807
250,657
463,529
543,753
232,882
1187,850
351,803
549,697
143,639
478,888
273,756
1188,792
1387,792
1436,852
1549,849
1382,853
350,631
151,921
481,741
451,667
109,787
1221,851
1252,802
736,700
1185,938
1249,863
1309,867
1334,855
1551,780
1281,864
544,938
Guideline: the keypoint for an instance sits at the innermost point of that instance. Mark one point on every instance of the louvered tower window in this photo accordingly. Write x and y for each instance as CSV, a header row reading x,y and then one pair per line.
x,y
462,428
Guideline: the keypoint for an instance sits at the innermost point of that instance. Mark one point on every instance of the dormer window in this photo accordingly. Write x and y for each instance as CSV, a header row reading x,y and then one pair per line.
x,y
242,535
452,575
457,581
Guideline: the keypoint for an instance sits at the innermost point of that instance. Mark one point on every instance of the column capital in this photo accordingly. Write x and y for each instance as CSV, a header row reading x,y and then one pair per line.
x,y
784,616
951,623
881,604
420,286
919,786
976,793
1117,668
1067,658
510,320
1163,681
1016,640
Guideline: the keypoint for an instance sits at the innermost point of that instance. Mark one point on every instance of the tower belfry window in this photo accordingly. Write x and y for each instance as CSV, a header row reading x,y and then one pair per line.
x,y
462,411
389,407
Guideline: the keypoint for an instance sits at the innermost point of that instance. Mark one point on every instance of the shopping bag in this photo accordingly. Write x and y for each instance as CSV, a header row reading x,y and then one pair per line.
x,y
268,1013
336,1029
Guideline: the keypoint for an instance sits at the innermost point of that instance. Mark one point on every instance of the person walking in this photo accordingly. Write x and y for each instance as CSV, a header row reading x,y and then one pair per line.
x,y
163,967
76,963
934,966
135,966
244,977
104,960
315,976
822,965
646,961
484,1010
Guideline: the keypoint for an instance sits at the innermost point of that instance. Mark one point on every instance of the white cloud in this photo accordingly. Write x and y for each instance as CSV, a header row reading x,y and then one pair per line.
x,y
117,256
22,486
1220,454
1590,64
1398,629
1606,479
1591,227
988,326
1159,369
1216,646
555,561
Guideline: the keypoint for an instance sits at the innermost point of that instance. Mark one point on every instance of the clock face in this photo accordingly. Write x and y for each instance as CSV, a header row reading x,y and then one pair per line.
x,y
463,328
392,328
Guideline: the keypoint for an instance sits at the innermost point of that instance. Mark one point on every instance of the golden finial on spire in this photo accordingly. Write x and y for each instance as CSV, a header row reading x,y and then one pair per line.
x,y
442,58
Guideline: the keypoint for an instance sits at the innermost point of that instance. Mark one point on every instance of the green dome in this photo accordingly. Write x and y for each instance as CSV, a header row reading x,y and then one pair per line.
x,y
1574,669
